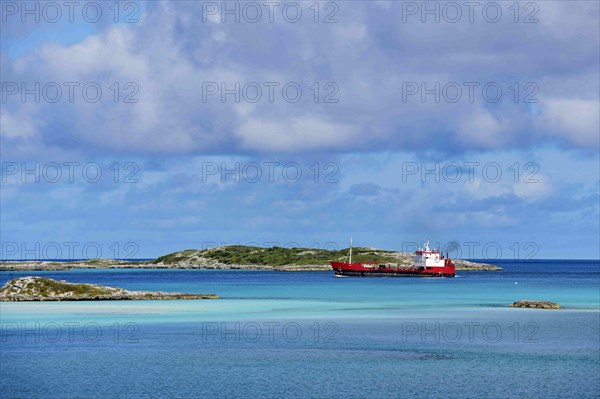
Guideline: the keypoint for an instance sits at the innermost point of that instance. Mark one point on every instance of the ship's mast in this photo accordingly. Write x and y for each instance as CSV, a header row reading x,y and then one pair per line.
x,y
350,256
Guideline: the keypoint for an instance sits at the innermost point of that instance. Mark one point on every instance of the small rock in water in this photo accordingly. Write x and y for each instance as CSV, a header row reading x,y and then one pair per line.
x,y
535,304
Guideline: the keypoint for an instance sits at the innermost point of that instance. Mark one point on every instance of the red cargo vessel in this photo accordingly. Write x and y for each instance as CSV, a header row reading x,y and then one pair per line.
x,y
427,263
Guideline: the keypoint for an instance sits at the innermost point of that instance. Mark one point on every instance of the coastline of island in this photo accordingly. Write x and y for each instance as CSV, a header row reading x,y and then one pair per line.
x,y
37,289
238,257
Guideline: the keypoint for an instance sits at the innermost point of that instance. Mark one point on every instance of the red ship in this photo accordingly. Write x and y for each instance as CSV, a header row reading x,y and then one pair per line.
x,y
427,263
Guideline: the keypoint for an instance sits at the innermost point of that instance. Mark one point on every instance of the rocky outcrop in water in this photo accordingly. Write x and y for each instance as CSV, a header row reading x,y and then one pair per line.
x,y
45,289
535,304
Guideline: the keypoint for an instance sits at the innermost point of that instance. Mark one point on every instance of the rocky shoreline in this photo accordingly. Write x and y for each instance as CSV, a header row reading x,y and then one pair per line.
x,y
54,266
534,304
26,289
197,261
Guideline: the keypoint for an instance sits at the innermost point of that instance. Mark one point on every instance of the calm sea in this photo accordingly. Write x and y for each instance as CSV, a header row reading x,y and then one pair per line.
x,y
277,334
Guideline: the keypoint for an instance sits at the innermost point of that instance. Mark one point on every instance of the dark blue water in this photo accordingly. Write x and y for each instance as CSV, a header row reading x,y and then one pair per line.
x,y
311,335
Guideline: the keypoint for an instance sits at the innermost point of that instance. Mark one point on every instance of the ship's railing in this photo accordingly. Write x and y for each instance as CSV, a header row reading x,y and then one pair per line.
x,y
395,266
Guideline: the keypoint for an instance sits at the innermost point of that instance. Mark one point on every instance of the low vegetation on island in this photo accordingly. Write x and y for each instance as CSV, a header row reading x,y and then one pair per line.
x,y
276,256
248,258
46,289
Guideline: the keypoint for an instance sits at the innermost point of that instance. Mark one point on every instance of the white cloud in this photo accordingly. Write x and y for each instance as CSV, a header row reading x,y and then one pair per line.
x,y
21,125
351,33
575,120
368,55
481,189
295,134
481,129
566,20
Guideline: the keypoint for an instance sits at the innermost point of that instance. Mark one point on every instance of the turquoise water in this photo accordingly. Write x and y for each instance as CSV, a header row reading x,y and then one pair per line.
x,y
311,335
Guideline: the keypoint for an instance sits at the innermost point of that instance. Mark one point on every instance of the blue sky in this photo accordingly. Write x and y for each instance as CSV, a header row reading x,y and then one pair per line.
x,y
393,139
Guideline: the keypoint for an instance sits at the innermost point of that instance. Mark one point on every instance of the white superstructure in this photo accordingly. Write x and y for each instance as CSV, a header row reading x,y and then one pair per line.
x,y
426,257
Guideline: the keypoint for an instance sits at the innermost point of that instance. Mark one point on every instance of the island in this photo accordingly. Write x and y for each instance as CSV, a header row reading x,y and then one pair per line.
x,y
243,257
46,289
534,304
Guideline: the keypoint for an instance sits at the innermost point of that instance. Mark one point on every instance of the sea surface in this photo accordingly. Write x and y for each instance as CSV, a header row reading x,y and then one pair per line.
x,y
309,334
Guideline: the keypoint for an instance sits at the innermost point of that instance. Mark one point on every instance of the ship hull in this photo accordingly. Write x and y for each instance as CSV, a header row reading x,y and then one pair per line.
x,y
374,270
